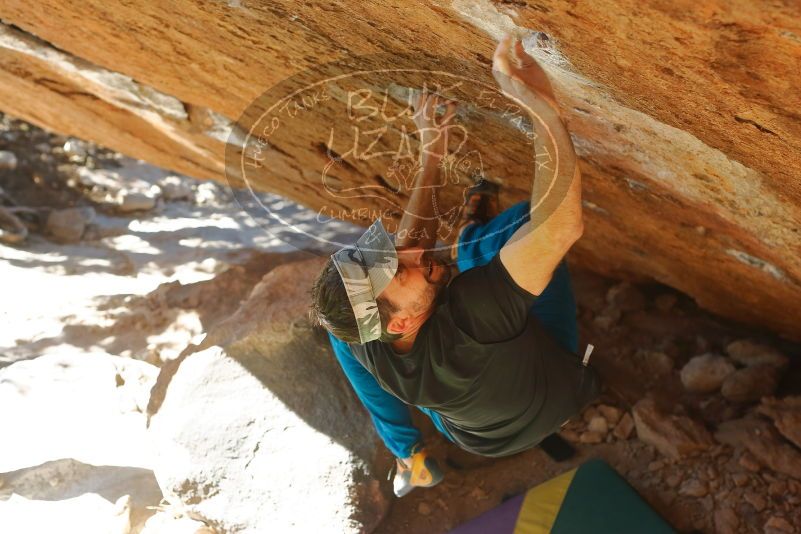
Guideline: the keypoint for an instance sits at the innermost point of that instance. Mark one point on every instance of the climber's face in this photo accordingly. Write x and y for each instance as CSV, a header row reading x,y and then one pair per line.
x,y
420,276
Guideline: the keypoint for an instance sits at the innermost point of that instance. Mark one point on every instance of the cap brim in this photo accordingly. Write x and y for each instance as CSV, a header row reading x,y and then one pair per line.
x,y
380,256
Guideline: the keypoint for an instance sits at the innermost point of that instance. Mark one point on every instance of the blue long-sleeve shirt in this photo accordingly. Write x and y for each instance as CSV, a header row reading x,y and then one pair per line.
x,y
390,415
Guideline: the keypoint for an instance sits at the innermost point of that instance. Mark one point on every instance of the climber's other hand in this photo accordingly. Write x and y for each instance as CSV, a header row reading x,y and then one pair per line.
x,y
518,74
433,129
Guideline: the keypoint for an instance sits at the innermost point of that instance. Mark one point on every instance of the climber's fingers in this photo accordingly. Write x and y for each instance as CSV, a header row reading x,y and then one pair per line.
x,y
426,106
507,67
510,56
450,111
521,58
500,60
420,101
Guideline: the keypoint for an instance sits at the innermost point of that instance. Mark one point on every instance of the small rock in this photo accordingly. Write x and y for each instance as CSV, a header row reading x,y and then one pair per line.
x,y
726,521
598,425
626,297
739,479
570,435
747,461
656,363
477,493
13,230
611,413
674,436
706,373
128,201
786,415
711,473
100,180
105,227
589,413
674,480
624,428
68,225
176,188
8,160
9,135
75,150
668,497
665,302
767,477
591,437
777,524
755,500
656,465
207,193
424,509
693,488
607,318
751,353
751,384
777,488
764,442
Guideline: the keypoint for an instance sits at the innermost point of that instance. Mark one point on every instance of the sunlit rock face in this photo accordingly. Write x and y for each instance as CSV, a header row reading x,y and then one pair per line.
x,y
258,423
76,455
685,115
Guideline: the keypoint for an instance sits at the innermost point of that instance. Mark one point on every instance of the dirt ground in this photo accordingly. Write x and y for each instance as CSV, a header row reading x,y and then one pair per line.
x,y
159,302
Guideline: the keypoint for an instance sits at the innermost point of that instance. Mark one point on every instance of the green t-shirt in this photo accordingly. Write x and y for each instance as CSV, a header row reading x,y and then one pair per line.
x,y
500,382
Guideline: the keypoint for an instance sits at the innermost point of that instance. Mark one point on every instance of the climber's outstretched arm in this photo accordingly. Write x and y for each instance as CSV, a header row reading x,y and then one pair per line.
x,y
537,247
419,222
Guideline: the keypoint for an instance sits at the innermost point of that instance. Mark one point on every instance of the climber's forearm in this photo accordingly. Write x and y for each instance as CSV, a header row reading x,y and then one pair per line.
x,y
556,187
419,223
556,210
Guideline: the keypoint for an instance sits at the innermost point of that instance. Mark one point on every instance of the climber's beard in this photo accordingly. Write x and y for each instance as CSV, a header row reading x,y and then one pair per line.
x,y
440,273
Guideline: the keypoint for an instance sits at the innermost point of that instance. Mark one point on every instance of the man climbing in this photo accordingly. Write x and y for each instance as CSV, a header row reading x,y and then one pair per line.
x,y
487,353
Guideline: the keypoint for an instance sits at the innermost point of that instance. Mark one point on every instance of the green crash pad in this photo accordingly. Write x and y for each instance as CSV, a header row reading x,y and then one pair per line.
x,y
592,498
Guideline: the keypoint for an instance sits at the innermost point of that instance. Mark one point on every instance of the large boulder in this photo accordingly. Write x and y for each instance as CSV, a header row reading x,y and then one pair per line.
x,y
70,496
686,128
75,452
257,430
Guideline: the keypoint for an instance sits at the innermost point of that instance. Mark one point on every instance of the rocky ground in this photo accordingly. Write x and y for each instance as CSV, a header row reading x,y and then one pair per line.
x,y
122,267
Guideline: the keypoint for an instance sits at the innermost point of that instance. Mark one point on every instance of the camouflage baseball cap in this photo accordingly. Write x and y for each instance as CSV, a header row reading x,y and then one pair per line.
x,y
366,269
